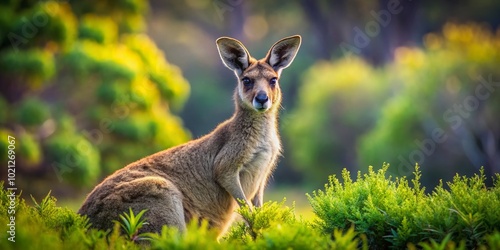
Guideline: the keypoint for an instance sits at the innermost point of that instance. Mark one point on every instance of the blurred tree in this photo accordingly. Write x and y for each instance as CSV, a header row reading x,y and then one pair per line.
x,y
374,29
370,29
84,90
435,106
337,102
445,114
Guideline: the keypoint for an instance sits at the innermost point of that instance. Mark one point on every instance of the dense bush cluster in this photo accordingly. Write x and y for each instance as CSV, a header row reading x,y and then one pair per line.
x,y
394,213
84,83
372,212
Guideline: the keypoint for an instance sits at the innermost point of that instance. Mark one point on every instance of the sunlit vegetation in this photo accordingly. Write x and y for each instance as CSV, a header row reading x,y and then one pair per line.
x,y
86,89
374,211
85,86
434,105
396,212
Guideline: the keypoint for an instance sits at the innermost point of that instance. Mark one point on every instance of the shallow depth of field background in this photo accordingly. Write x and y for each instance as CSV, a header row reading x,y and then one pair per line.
x,y
90,86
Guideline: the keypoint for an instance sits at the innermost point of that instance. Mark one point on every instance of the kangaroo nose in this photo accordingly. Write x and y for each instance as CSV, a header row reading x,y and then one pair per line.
x,y
261,97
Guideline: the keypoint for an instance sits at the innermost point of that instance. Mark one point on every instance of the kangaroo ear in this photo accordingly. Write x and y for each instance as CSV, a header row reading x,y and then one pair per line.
x,y
233,54
283,52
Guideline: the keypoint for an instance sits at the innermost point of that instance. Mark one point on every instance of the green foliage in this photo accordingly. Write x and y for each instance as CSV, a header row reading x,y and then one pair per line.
x,y
88,87
258,220
35,24
443,129
166,77
373,212
4,144
29,151
274,226
46,226
99,29
136,128
446,243
492,240
430,105
393,213
35,65
32,112
74,158
131,224
198,236
337,102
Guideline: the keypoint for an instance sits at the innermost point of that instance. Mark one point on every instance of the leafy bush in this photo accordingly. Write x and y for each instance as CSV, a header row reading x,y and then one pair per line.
x,y
272,226
373,212
29,151
393,213
32,112
198,236
74,159
46,226
99,29
275,227
34,65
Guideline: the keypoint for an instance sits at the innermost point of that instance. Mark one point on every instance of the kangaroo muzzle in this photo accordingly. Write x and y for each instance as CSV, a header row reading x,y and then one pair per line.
x,y
261,101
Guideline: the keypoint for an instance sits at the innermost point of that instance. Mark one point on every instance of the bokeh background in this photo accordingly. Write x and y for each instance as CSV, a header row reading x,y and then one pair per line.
x,y
90,86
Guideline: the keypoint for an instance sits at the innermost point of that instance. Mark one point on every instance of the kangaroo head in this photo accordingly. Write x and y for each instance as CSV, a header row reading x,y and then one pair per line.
x,y
258,87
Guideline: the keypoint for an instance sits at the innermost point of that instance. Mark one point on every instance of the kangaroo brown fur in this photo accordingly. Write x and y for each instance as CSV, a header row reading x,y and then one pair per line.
x,y
206,177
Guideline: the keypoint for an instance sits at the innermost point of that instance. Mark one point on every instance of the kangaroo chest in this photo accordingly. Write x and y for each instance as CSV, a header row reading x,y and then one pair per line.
x,y
260,164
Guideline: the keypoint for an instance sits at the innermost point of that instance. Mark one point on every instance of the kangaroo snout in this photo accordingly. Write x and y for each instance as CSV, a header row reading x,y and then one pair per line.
x,y
261,101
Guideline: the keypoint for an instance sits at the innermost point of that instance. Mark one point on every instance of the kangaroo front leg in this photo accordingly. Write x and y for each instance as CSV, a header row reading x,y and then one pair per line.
x,y
231,183
259,196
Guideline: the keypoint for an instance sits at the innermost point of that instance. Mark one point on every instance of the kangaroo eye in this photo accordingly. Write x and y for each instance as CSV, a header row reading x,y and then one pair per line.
x,y
246,81
273,81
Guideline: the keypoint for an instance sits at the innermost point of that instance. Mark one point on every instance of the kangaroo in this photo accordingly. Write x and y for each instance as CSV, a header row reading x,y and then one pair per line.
x,y
209,177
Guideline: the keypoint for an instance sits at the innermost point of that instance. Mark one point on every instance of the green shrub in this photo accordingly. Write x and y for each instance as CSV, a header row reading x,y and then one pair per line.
x,y
36,65
198,236
32,112
274,226
4,143
99,29
74,158
88,89
136,128
166,77
46,226
373,212
29,150
393,213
